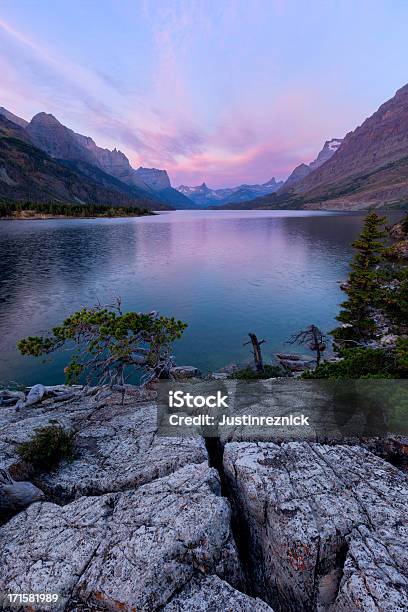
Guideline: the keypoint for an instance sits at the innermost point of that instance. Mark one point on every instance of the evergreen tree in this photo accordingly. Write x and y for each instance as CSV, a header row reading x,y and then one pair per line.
x,y
362,288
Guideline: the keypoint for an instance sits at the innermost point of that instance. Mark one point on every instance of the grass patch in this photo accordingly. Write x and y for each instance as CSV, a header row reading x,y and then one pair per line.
x,y
270,371
48,447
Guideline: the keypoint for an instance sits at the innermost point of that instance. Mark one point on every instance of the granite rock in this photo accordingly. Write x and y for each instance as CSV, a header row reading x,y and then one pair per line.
x,y
117,447
122,551
215,595
325,526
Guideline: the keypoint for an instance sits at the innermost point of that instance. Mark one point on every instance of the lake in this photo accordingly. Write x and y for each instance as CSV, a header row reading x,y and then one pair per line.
x,y
224,273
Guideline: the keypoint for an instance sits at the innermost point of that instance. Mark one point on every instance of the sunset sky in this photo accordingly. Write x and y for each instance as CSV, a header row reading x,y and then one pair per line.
x,y
223,91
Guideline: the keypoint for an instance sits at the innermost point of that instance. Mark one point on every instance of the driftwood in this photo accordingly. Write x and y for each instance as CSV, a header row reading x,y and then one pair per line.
x,y
290,357
293,362
39,392
14,496
35,395
297,365
10,398
62,397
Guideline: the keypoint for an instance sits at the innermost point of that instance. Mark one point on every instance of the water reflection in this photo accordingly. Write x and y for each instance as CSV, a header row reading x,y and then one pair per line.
x,y
224,273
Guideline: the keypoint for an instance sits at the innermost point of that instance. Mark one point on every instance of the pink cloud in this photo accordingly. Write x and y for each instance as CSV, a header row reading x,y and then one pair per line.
x,y
253,146
256,165
248,139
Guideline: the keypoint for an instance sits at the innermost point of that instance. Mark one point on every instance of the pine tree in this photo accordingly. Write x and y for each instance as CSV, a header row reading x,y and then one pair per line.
x,y
362,288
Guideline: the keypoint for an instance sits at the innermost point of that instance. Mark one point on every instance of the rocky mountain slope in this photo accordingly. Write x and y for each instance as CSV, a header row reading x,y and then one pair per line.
x,y
295,177
203,196
381,140
13,118
303,170
60,142
329,149
29,174
369,169
138,521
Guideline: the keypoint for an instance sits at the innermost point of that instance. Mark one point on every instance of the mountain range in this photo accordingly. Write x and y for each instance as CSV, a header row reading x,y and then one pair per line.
x,y
84,172
44,160
29,174
367,169
243,195
203,196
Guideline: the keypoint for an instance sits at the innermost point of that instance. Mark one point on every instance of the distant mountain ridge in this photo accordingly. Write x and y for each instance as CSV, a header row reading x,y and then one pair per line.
x,y
244,195
370,167
61,142
204,196
28,173
329,149
303,170
296,176
368,170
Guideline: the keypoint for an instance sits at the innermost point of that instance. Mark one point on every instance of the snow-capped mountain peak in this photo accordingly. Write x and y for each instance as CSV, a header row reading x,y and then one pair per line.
x,y
204,196
329,149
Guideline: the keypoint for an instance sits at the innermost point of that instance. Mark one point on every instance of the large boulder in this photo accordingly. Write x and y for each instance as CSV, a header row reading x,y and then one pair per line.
x,y
123,551
325,527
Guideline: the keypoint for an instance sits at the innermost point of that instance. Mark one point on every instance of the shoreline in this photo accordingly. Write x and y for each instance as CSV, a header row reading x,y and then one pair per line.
x,y
61,217
46,217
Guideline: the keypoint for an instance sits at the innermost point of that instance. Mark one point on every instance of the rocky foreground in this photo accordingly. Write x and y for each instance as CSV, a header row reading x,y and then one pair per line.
x,y
141,522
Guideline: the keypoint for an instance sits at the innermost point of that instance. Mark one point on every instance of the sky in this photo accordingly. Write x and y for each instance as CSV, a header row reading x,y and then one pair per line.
x,y
221,91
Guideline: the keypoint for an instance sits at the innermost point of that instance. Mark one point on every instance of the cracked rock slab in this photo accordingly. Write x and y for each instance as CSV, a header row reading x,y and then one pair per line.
x,y
122,551
325,526
211,594
121,452
117,447
18,425
375,570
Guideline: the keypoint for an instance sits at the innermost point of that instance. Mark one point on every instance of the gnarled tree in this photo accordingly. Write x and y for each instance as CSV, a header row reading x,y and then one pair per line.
x,y
109,345
313,338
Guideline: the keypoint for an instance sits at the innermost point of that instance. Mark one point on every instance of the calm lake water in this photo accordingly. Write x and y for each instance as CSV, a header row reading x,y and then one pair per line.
x,y
224,273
